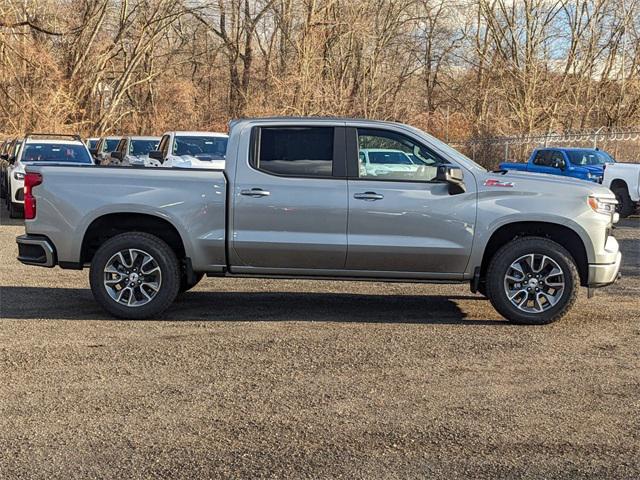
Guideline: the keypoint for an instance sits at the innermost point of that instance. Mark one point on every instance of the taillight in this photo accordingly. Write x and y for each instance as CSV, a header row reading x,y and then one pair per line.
x,y
30,180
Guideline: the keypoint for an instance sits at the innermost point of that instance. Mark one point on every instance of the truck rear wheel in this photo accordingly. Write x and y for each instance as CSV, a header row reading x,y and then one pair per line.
x,y
135,276
625,205
532,280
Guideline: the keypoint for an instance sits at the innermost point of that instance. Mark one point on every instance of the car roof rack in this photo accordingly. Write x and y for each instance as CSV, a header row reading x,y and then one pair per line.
x,y
62,135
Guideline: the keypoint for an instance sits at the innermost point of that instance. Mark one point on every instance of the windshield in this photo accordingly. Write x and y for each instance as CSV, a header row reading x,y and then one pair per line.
x,y
48,152
589,157
110,145
210,148
142,147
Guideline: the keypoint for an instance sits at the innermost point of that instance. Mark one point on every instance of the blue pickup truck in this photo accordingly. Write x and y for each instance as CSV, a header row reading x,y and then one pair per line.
x,y
583,163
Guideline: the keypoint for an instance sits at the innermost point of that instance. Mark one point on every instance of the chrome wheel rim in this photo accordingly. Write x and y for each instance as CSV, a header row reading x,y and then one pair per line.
x,y
132,277
534,283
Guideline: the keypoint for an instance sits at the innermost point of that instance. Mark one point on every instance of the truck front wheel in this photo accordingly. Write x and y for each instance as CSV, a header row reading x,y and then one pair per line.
x,y
532,280
135,276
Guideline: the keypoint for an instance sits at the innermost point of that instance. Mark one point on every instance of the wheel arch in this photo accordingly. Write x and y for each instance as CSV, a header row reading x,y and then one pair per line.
x,y
111,224
619,182
560,234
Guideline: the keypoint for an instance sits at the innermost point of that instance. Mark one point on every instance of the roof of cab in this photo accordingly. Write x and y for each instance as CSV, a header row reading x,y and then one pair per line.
x,y
54,141
198,134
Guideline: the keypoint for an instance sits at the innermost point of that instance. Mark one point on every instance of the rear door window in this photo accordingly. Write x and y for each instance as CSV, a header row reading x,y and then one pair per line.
x,y
295,151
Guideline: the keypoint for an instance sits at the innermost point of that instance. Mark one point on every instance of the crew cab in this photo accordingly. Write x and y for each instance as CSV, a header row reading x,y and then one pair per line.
x,y
192,150
624,181
40,148
134,150
295,201
582,163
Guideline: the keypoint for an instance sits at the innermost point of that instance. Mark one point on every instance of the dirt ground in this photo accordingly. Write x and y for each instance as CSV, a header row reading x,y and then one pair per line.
x,y
315,379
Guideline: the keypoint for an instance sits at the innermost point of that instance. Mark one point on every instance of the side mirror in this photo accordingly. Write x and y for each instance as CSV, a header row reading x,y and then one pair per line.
x,y
558,164
11,160
156,155
4,156
117,155
453,176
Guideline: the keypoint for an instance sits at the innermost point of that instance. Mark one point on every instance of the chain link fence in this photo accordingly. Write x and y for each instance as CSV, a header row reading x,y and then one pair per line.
x,y
622,144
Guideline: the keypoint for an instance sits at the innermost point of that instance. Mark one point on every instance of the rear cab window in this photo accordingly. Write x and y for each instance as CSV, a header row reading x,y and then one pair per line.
x,y
308,152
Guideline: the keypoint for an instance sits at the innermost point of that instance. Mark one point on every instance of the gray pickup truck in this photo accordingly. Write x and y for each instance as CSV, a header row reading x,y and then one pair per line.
x,y
324,199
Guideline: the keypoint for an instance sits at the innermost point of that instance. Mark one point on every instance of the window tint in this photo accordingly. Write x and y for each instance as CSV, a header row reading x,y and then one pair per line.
x,y
304,152
43,152
109,145
542,158
588,157
556,158
388,155
203,148
142,147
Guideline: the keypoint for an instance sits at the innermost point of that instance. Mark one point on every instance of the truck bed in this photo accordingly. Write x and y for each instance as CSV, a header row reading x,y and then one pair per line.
x,y
193,201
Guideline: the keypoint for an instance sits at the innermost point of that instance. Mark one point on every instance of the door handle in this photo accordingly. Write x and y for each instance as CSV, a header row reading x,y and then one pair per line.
x,y
369,196
255,192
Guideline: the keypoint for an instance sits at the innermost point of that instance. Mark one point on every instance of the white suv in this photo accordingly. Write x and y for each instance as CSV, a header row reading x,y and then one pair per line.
x,y
38,148
192,150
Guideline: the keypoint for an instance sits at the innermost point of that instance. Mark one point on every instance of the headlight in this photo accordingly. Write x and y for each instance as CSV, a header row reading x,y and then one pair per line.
x,y
18,176
594,177
606,206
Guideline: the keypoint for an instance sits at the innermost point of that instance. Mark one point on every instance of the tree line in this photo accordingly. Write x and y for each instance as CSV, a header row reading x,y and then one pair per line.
x,y
461,69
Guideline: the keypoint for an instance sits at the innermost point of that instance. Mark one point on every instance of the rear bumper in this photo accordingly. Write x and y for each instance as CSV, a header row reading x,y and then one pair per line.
x,y
36,250
601,275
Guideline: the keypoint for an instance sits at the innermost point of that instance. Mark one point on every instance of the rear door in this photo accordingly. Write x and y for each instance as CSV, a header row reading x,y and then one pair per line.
x,y
400,220
290,200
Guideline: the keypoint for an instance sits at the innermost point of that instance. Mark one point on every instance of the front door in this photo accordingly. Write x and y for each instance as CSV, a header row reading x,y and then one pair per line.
x,y
399,219
290,201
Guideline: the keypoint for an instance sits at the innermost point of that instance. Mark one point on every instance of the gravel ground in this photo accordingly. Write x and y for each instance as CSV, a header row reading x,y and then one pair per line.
x,y
306,379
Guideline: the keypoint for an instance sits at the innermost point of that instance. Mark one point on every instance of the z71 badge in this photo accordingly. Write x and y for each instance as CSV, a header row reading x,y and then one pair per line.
x,y
492,182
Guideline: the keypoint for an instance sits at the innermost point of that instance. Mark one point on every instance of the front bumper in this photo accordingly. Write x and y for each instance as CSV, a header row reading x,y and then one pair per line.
x,y
36,250
601,275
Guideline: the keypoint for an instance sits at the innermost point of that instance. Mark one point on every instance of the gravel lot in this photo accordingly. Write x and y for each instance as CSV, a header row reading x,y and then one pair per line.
x,y
305,379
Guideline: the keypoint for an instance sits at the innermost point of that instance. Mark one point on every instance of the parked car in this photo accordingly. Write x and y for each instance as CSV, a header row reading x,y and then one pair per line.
x,y
294,201
624,181
192,150
4,148
39,149
385,161
103,149
134,151
11,152
582,163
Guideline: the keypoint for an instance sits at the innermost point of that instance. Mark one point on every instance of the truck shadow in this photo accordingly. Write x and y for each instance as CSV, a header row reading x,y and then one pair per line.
x,y
78,304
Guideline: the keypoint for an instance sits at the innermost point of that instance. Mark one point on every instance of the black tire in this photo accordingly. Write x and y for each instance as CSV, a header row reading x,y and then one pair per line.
x,y
164,257
15,210
509,253
625,205
186,286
